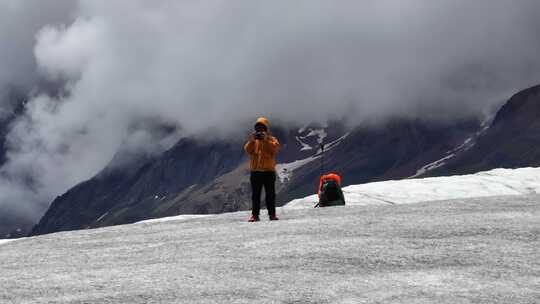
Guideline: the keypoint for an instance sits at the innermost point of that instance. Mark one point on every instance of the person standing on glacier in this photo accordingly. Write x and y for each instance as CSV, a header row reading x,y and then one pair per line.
x,y
262,148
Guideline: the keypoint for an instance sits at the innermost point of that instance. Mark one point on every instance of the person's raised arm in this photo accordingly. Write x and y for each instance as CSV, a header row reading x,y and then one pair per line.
x,y
249,147
272,144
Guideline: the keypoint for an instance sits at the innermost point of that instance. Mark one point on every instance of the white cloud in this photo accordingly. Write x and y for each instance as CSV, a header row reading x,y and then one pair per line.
x,y
64,53
133,65
19,23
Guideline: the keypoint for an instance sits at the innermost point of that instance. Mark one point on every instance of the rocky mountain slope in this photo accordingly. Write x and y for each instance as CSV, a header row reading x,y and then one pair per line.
x,y
212,177
511,141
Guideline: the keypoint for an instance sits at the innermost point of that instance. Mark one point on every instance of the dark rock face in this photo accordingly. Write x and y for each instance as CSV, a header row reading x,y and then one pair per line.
x,y
512,140
125,195
394,150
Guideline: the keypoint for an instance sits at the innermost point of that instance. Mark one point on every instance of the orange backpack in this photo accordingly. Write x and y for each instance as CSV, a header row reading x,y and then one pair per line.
x,y
326,177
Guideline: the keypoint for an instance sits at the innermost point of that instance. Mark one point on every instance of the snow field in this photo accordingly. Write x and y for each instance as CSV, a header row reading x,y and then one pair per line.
x,y
490,183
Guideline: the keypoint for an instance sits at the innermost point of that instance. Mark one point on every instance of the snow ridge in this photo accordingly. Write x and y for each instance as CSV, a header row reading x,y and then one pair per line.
x,y
489,183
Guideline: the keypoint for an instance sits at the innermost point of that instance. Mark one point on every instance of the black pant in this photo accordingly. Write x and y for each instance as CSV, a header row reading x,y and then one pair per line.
x,y
268,180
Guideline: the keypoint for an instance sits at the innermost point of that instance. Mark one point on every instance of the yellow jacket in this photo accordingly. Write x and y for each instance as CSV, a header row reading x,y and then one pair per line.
x,y
263,152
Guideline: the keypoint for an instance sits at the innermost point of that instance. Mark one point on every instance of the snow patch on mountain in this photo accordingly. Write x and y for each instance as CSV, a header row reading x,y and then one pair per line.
x,y
335,143
490,183
305,147
321,134
466,145
434,165
285,170
101,217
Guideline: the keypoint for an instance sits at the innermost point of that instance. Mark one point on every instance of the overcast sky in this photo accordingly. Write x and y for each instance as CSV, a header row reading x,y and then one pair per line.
x,y
130,66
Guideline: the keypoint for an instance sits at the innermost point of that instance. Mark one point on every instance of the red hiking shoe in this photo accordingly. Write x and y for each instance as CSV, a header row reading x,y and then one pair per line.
x,y
253,218
274,218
